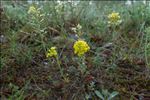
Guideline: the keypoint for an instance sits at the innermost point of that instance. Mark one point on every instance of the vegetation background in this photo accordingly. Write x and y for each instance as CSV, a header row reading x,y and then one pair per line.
x,y
118,63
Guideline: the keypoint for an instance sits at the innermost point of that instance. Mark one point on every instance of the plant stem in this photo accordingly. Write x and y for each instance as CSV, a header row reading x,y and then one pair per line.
x,y
58,63
82,64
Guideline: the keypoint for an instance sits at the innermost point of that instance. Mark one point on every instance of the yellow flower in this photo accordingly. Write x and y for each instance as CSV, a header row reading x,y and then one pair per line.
x,y
52,52
80,47
114,18
32,9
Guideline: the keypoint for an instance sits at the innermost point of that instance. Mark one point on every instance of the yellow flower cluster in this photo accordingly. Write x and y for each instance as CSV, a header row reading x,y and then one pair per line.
x,y
80,47
52,52
33,10
114,18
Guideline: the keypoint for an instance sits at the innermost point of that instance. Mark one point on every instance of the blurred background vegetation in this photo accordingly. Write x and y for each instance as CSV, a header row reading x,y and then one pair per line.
x,y
25,38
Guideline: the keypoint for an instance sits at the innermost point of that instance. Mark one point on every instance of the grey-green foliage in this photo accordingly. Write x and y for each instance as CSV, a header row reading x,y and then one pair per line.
x,y
16,13
147,46
17,94
105,95
139,13
3,62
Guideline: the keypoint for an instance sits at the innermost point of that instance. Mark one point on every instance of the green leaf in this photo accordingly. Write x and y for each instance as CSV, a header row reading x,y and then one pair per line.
x,y
112,95
99,94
